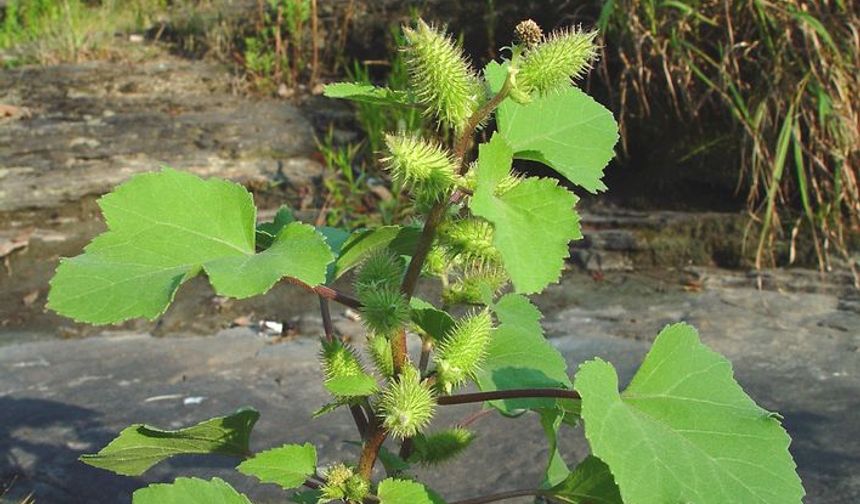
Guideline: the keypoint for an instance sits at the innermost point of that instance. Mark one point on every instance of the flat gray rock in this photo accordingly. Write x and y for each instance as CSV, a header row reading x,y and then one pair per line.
x,y
794,352
84,128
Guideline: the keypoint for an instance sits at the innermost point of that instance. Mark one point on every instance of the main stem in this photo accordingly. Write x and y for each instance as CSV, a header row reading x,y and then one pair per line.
x,y
410,280
378,434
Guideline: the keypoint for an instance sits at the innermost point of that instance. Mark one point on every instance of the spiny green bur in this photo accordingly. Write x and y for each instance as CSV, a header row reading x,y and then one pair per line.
x,y
407,405
487,236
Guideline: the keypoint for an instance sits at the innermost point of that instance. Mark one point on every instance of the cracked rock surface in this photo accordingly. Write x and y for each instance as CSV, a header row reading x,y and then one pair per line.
x,y
794,348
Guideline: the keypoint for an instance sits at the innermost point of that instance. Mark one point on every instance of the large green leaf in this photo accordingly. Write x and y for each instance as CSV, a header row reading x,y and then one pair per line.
x,y
164,228
363,243
397,491
590,483
684,430
520,357
139,447
366,93
534,221
189,491
288,466
567,131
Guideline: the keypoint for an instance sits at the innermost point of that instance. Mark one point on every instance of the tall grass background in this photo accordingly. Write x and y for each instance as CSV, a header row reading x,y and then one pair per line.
x,y
786,73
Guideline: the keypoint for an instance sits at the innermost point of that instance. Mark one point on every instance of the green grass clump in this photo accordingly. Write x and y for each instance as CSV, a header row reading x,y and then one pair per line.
x,y
56,31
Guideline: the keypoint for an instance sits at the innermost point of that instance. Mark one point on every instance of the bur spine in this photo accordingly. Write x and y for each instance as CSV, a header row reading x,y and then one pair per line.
x,y
440,75
424,167
379,348
469,240
442,446
339,360
381,270
460,354
474,282
383,310
407,405
564,56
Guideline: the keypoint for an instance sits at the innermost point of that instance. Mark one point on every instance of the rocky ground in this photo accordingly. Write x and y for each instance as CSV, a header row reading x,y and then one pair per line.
x,y
794,352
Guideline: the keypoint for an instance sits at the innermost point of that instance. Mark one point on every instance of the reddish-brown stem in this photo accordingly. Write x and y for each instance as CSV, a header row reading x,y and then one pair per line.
x,y
328,292
398,351
370,450
500,496
506,394
474,417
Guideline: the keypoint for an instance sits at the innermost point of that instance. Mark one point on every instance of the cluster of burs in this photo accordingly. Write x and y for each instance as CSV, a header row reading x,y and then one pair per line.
x,y
462,255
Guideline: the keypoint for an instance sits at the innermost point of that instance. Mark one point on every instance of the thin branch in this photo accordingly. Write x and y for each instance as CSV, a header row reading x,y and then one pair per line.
x,y
328,293
474,417
501,496
328,328
506,394
477,118
424,360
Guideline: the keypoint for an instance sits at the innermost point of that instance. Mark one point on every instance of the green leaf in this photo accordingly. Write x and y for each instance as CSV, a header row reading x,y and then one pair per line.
x,y
335,238
401,240
189,491
288,466
684,430
267,231
567,131
556,468
352,386
520,357
164,228
139,447
366,93
396,491
533,221
298,251
590,483
433,321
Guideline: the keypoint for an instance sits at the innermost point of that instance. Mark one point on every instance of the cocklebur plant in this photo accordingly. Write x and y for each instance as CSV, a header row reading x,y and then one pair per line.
x,y
681,431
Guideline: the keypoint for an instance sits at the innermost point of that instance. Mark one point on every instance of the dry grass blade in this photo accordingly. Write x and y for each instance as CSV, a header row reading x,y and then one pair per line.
x,y
788,73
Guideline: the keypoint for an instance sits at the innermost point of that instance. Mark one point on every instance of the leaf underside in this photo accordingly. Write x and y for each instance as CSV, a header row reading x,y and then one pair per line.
x,y
684,430
139,447
590,483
